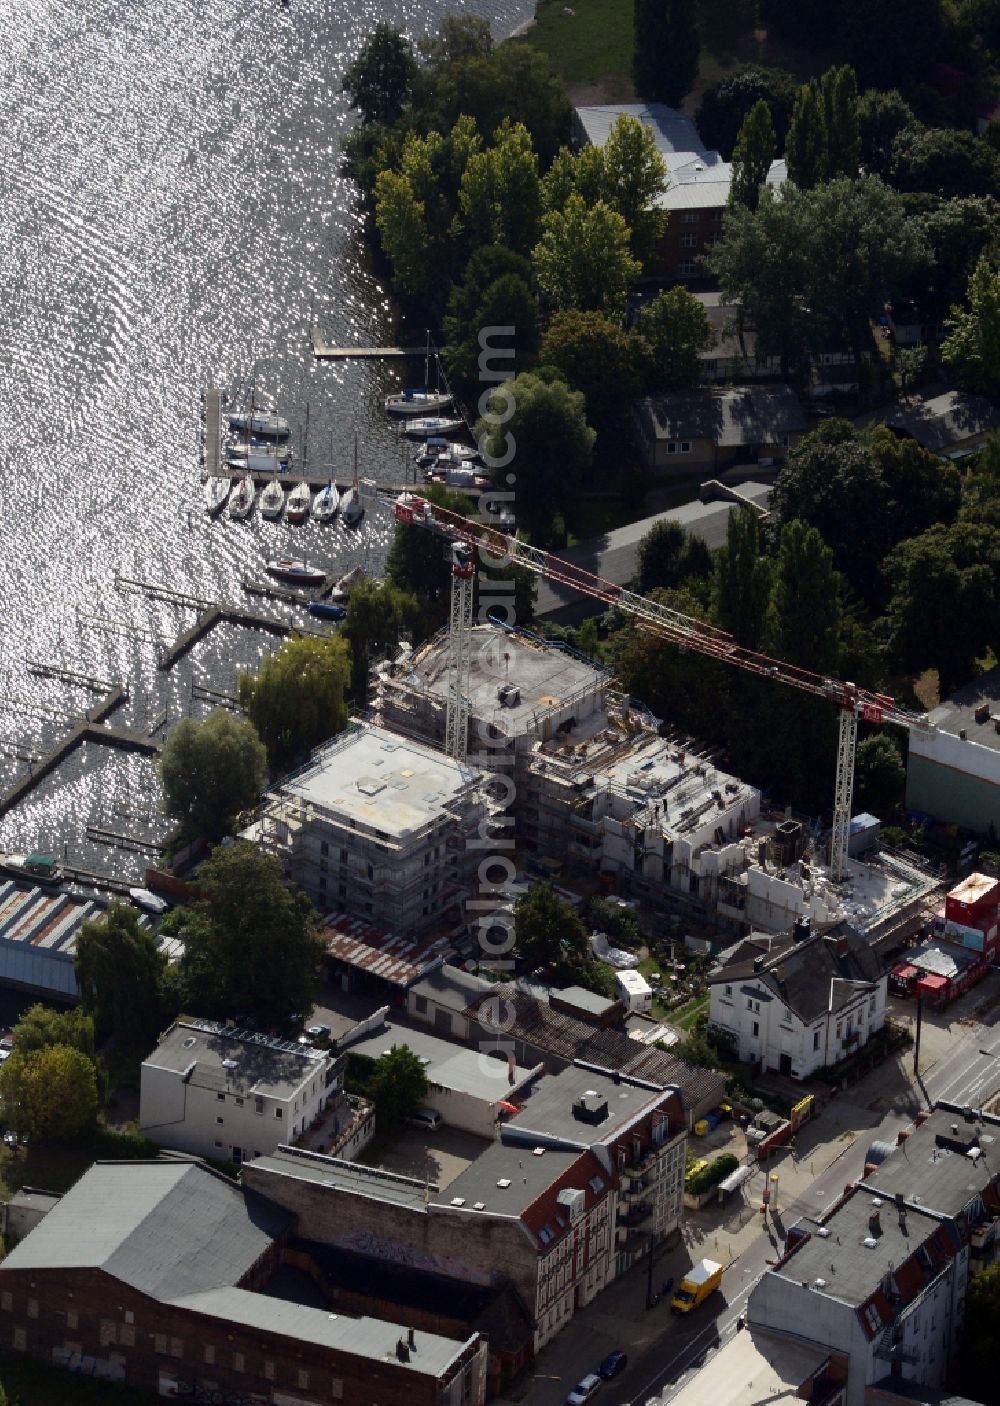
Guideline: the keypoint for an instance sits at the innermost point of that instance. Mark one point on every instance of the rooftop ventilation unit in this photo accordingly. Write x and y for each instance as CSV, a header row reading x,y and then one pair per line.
x,y
503,1183
591,1107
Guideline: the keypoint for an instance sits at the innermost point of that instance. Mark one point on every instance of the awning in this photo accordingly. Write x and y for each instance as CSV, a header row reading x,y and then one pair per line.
x,y
507,1107
737,1178
906,973
932,985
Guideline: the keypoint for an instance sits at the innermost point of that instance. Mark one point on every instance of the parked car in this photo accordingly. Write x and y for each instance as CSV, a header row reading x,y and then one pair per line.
x,y
427,1118
614,1363
584,1391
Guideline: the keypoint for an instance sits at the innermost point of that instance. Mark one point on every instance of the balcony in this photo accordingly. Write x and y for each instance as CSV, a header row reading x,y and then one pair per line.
x,y
636,1215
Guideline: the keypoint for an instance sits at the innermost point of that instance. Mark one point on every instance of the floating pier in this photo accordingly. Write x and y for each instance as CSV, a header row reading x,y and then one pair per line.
x,y
213,429
324,352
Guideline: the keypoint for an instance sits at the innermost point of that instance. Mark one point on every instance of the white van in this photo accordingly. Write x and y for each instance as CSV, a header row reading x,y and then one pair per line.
x,y
427,1118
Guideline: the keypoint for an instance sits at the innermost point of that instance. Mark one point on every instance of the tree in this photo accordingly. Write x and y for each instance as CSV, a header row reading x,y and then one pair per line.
x,y
210,771
725,107
972,346
881,117
806,147
743,580
677,328
668,555
723,23
459,37
810,22
396,1085
495,291
549,933
552,445
840,113
665,49
890,42
122,977
603,360
378,617
296,700
957,232
752,156
416,563
583,260
41,1026
804,617
943,162
944,610
976,1360
379,80
499,197
250,945
633,177
879,775
48,1094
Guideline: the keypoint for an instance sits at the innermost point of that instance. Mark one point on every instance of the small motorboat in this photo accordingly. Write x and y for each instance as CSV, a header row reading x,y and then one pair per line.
x,y
327,610
148,901
436,448
263,459
216,493
417,402
262,422
35,868
272,500
429,425
297,573
326,503
241,500
347,582
299,501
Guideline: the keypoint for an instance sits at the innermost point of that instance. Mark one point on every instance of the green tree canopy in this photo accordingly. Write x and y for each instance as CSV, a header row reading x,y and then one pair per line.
x,y
122,978
881,118
725,107
668,555
804,623
806,147
378,617
743,580
297,698
811,22
458,37
752,156
49,1094
972,346
549,933
958,232
397,1085
250,944
582,260
665,49
496,291
879,775
840,118
417,564
552,447
598,357
976,1360
379,80
944,162
41,1026
890,43
499,196
210,771
677,328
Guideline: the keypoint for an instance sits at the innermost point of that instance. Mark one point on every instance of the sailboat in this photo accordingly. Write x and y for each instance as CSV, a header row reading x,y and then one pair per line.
x,y
351,507
298,503
241,501
272,500
423,401
326,503
216,493
260,422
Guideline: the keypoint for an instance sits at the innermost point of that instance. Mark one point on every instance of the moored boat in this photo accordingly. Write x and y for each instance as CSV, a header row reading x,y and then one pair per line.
x,y
327,610
417,402
346,583
272,500
298,573
262,422
352,510
241,499
429,425
216,493
436,447
326,503
298,503
34,868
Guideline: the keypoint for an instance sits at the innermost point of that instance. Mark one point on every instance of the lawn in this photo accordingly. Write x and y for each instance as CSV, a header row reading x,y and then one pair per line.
x,y
587,42
31,1383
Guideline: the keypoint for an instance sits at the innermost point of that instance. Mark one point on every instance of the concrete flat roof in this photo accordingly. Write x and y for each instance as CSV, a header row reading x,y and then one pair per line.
x,y
753,1369
379,778
850,1268
938,1179
547,1114
958,713
526,1175
457,1068
351,1177
242,1063
545,674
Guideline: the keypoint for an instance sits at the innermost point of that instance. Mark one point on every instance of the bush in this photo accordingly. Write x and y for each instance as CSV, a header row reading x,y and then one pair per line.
x,y
717,1170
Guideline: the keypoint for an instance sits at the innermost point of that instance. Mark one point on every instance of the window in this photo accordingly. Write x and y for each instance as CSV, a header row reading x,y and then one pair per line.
x,y
7,1303
72,1318
277,1113
729,993
209,1354
420,1004
343,856
20,1340
258,1105
221,1098
689,217
126,1335
840,1029
815,1039
238,1362
371,871
756,1027
871,1005
322,881
176,1347
324,847
337,1388
108,1332
218,1143
32,1308
685,446
129,1316
220,1120
239,1103
689,241
269,1371
749,1004
303,1379
160,1343
687,268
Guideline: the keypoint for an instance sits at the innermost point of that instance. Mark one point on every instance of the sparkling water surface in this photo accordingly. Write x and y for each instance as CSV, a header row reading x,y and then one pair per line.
x,y
172,216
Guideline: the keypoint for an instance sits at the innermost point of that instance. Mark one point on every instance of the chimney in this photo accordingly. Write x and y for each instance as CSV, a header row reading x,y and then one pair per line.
x,y
511,1070
411,1339
875,1224
402,1351
758,964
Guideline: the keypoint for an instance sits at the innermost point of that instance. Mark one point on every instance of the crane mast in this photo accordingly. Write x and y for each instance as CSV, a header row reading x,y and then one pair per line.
x,y
687,632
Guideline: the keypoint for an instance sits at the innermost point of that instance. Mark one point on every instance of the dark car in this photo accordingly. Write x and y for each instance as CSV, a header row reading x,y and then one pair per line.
x,y
614,1363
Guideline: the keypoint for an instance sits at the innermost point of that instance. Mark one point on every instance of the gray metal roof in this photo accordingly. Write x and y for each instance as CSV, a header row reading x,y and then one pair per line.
x,y
946,421
734,418
240,1062
452,988
352,1177
454,1067
365,1337
167,1228
547,1114
615,555
940,1178
585,1000
529,1176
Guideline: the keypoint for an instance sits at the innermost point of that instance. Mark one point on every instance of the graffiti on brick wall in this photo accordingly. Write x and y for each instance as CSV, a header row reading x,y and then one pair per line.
x,y
201,1394
366,1242
86,1366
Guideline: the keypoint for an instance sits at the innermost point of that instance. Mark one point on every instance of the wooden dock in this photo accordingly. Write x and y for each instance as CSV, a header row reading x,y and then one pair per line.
x,y
213,430
324,352
217,615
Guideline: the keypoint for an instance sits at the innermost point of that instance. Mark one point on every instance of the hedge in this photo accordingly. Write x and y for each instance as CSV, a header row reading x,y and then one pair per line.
x,y
711,1175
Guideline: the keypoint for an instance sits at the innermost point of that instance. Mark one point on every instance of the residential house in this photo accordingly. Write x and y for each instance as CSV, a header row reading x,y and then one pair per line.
x,y
882,1278
442,999
228,1094
708,431
156,1274
798,1003
953,424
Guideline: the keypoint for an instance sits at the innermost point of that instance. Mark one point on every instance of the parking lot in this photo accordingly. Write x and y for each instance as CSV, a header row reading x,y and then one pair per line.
x,y
438,1157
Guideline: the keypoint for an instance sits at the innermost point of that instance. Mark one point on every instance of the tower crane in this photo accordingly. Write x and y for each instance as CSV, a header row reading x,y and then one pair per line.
x,y
463,536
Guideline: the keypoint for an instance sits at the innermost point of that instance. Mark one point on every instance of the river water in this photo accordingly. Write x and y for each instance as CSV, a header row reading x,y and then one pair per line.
x,y
172,216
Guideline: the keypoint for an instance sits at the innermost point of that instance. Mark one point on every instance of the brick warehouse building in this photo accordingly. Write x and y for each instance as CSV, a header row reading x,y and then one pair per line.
x,y
157,1274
